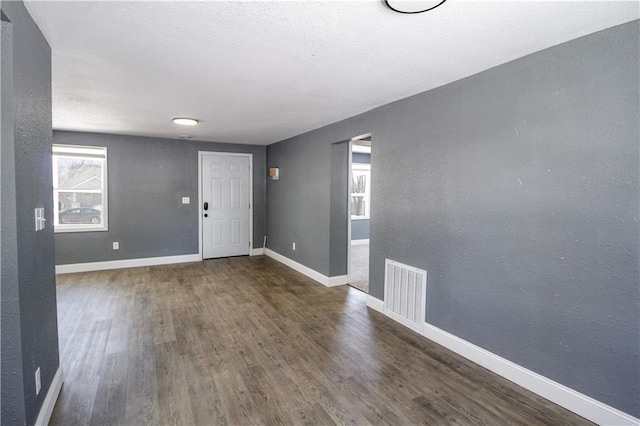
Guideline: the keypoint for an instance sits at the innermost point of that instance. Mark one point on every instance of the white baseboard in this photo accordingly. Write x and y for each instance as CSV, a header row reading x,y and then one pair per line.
x,y
126,263
359,242
50,400
257,252
375,304
568,398
337,280
305,270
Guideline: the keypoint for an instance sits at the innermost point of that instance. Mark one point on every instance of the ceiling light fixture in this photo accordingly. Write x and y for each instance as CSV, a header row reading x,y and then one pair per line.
x,y
413,6
185,121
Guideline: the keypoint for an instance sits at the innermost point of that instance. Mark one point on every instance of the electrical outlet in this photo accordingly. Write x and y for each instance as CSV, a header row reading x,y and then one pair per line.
x,y
294,246
116,245
38,383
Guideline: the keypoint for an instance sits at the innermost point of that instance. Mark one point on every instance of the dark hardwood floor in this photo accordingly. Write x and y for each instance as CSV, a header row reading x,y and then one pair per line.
x,y
250,341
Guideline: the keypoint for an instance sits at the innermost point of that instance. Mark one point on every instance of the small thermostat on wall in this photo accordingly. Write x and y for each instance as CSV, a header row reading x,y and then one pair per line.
x,y
274,173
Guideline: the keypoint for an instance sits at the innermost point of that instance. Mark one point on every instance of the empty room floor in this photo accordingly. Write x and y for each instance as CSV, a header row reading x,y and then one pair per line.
x,y
250,341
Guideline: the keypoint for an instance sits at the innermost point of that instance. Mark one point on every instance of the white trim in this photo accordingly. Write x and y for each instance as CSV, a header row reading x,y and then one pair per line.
x,y
50,400
228,154
362,136
250,177
350,164
361,149
337,280
555,392
304,270
568,398
349,224
418,328
375,304
104,190
200,153
126,263
257,252
359,242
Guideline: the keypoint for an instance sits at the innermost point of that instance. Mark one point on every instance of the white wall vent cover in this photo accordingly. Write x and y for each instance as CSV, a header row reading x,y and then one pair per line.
x,y
405,290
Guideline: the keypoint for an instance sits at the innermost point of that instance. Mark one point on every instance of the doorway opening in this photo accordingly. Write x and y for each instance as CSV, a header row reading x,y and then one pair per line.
x,y
359,212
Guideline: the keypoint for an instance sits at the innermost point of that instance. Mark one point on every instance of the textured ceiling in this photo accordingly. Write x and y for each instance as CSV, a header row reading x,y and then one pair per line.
x,y
259,72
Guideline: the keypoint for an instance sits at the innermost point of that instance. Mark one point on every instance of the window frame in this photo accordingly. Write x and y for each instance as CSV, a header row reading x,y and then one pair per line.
x,y
94,152
362,169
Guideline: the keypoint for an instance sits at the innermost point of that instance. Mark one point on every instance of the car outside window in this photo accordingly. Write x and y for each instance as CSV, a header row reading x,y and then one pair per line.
x,y
79,188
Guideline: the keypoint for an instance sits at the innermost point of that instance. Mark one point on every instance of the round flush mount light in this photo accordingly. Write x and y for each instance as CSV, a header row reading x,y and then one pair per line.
x,y
413,6
183,121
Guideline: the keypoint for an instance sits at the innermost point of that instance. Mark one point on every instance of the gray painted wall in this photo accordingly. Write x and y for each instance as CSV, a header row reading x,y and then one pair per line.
x,y
360,227
12,389
298,203
360,157
520,198
147,179
29,319
339,208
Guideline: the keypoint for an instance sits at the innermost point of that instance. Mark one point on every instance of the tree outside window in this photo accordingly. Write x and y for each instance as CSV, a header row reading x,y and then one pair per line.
x,y
360,190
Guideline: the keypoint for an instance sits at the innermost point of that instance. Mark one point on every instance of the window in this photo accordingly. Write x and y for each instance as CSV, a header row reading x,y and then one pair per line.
x,y
79,188
360,190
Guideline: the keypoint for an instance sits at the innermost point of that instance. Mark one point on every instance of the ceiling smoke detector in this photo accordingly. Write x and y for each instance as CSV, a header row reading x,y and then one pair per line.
x,y
413,6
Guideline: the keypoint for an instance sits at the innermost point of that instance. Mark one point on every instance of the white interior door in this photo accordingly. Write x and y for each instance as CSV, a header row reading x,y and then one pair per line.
x,y
225,205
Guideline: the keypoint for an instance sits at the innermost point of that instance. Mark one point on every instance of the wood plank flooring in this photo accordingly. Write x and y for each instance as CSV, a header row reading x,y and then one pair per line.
x,y
250,341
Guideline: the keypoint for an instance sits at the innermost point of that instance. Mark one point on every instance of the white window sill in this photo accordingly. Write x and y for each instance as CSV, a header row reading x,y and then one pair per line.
x,y
61,229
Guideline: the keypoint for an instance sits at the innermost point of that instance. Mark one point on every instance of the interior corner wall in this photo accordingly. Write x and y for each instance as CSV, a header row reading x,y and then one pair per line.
x,y
147,178
517,189
29,317
298,203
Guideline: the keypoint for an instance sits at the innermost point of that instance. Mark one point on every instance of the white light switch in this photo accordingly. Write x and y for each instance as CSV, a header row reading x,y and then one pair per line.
x,y
186,200
38,382
116,245
40,220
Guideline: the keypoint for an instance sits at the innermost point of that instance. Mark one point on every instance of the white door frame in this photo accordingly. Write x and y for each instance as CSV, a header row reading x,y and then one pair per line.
x,y
201,154
349,209
349,169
